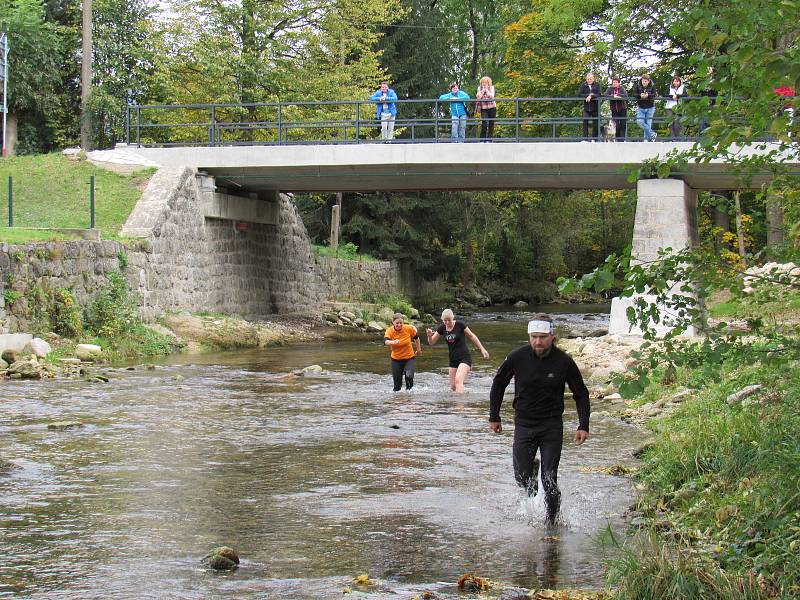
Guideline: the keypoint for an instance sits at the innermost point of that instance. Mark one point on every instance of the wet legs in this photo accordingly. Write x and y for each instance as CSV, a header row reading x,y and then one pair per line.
x,y
547,438
403,369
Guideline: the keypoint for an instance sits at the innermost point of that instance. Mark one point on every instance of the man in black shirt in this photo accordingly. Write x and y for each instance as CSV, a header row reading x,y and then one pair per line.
x,y
540,371
589,92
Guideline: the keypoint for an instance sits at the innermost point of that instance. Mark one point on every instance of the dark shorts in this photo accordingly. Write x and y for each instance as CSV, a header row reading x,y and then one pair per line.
x,y
457,360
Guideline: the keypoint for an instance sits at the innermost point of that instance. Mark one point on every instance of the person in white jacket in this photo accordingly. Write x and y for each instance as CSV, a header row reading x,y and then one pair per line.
x,y
676,91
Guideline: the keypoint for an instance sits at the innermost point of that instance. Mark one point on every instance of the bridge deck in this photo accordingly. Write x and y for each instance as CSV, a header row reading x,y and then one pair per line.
x,y
441,166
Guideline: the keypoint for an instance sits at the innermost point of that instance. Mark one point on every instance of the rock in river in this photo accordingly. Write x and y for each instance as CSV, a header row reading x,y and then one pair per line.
x,y
222,558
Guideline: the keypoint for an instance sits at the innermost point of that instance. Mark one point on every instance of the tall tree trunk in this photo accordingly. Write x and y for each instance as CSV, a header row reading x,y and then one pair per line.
x,y
722,225
86,76
250,55
776,232
473,25
469,256
11,134
740,228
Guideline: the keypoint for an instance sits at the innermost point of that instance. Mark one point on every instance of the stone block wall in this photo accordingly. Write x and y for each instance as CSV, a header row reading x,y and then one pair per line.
x,y
79,265
350,280
186,261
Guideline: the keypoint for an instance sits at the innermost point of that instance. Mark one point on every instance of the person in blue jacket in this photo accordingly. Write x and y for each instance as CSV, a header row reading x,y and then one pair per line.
x,y
458,112
386,111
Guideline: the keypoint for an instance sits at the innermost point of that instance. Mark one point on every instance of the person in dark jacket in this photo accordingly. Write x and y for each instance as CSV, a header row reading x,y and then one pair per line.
x,y
589,92
540,371
645,93
619,107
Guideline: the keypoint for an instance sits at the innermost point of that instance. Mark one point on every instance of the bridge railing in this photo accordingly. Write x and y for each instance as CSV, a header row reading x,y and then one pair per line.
x,y
355,122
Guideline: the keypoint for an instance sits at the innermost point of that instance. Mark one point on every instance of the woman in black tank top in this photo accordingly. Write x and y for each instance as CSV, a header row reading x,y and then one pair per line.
x,y
455,333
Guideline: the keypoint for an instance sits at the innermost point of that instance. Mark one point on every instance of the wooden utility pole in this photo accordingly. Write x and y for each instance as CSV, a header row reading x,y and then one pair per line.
x,y
336,221
739,228
86,76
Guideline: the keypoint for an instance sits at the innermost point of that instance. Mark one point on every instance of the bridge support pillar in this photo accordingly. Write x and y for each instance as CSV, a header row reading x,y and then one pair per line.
x,y
666,217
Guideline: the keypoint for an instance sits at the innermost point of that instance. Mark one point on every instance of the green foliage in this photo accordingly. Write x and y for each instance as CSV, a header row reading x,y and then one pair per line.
x,y
65,314
397,302
113,310
348,251
122,260
677,284
11,296
138,340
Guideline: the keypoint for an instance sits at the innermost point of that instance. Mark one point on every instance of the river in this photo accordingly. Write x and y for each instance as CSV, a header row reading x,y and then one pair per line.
x,y
313,480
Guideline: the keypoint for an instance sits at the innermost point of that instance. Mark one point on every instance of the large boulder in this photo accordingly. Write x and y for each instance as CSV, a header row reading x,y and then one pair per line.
x,y
38,347
26,369
376,326
385,314
88,351
222,332
223,558
10,356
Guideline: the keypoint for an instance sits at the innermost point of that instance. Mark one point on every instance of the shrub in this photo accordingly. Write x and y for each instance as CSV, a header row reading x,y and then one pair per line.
x,y
113,310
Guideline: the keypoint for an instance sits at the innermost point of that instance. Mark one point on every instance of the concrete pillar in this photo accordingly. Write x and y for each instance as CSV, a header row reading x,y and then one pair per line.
x,y
666,217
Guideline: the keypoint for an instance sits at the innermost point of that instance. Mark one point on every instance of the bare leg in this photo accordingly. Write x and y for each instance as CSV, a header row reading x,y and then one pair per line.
x,y
460,376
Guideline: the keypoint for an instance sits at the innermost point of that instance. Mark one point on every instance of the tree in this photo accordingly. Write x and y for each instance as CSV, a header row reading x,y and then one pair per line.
x,y
34,53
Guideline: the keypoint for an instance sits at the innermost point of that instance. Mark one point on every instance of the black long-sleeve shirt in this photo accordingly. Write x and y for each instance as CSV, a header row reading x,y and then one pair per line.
x,y
539,386
592,90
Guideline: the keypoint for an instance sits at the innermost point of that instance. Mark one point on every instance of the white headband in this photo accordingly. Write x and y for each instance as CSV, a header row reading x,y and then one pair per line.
x,y
540,327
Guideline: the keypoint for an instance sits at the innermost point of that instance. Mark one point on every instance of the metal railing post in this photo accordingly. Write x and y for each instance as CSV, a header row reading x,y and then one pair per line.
x,y
516,116
212,132
10,202
138,126
358,122
128,125
280,122
91,202
436,122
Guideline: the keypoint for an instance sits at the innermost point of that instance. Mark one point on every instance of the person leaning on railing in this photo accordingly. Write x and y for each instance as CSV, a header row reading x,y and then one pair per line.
x,y
645,93
677,90
458,112
619,108
589,91
487,107
386,111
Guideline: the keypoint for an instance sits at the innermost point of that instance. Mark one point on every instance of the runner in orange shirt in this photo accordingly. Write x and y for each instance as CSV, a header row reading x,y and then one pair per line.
x,y
401,338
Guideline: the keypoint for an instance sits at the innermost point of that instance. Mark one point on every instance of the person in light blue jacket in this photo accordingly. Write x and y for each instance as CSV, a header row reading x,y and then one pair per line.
x,y
386,111
458,112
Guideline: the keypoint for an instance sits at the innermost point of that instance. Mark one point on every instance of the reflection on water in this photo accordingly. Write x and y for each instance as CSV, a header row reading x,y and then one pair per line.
x,y
314,481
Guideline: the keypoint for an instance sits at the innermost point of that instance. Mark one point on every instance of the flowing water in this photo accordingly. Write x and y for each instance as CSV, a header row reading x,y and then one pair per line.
x,y
313,480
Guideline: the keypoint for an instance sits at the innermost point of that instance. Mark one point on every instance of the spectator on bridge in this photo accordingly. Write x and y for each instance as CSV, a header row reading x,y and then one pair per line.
x,y
645,93
458,112
788,92
401,338
488,108
386,111
589,91
676,91
619,108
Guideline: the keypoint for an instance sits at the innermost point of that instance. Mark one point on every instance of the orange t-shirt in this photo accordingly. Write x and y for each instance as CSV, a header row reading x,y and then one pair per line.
x,y
405,348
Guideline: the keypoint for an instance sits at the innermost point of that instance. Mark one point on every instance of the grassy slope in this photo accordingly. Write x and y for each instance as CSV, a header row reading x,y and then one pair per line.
x,y
722,486
51,190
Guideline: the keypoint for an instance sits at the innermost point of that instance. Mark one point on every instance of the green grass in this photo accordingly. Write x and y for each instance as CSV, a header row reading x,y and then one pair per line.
x,y
52,191
723,491
347,251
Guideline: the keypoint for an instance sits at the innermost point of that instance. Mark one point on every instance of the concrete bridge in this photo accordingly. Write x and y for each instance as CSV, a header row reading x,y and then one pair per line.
x,y
241,182
441,166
